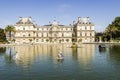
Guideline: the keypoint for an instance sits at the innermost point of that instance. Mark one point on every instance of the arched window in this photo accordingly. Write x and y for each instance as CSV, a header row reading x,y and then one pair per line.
x,y
55,35
80,28
37,40
29,35
85,34
90,34
42,34
42,40
37,34
62,40
80,34
47,34
62,34
23,35
90,27
23,28
85,28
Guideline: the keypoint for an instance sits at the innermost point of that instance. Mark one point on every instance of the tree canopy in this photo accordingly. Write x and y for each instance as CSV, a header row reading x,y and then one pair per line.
x,y
9,29
113,29
2,35
116,22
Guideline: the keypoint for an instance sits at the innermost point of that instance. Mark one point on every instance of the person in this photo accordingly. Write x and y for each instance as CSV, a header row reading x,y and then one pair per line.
x,y
60,55
16,56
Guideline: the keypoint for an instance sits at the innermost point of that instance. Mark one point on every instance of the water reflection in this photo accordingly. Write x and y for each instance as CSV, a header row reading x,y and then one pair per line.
x,y
27,54
86,54
39,62
102,50
60,60
114,52
9,53
2,50
74,53
30,54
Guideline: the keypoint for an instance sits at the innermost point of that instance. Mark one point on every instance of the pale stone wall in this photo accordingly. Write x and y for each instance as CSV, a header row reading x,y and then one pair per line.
x,y
26,31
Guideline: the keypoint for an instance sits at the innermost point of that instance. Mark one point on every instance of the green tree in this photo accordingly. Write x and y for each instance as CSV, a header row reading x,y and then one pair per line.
x,y
80,40
60,40
9,29
111,30
116,22
14,40
47,40
97,36
67,40
30,40
2,35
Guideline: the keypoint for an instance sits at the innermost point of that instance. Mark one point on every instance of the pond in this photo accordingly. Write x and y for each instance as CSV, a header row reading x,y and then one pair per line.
x,y
39,62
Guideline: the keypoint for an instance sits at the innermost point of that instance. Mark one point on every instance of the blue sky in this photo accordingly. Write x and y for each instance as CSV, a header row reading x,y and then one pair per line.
x,y
101,12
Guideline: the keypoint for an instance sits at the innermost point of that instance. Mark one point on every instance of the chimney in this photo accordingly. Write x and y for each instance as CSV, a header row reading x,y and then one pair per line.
x,y
79,18
73,22
20,18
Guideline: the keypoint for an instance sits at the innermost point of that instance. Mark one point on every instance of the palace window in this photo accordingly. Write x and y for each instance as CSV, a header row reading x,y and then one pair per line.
x,y
42,34
47,34
23,35
55,35
55,40
80,28
36,40
29,35
42,40
90,34
85,34
90,27
23,28
62,40
37,35
80,34
62,34
85,28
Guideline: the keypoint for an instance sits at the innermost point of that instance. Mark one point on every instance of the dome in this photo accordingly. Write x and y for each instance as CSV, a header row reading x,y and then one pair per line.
x,y
55,23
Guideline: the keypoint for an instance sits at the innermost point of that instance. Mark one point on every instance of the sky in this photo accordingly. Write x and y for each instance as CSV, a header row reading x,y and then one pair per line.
x,y
100,12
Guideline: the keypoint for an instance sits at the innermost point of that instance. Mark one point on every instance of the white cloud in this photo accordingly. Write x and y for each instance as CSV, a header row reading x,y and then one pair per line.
x,y
64,7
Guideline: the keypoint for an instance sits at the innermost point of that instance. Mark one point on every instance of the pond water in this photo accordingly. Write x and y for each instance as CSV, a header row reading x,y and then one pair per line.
x,y
38,62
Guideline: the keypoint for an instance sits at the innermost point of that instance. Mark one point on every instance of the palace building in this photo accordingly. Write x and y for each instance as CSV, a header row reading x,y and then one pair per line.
x,y
80,31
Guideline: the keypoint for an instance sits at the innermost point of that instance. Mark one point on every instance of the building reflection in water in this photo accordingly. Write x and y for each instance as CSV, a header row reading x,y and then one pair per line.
x,y
34,53
114,54
9,53
84,54
2,50
26,55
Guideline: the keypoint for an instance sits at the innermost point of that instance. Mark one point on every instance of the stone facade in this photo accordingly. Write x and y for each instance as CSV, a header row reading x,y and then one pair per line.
x,y
28,32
